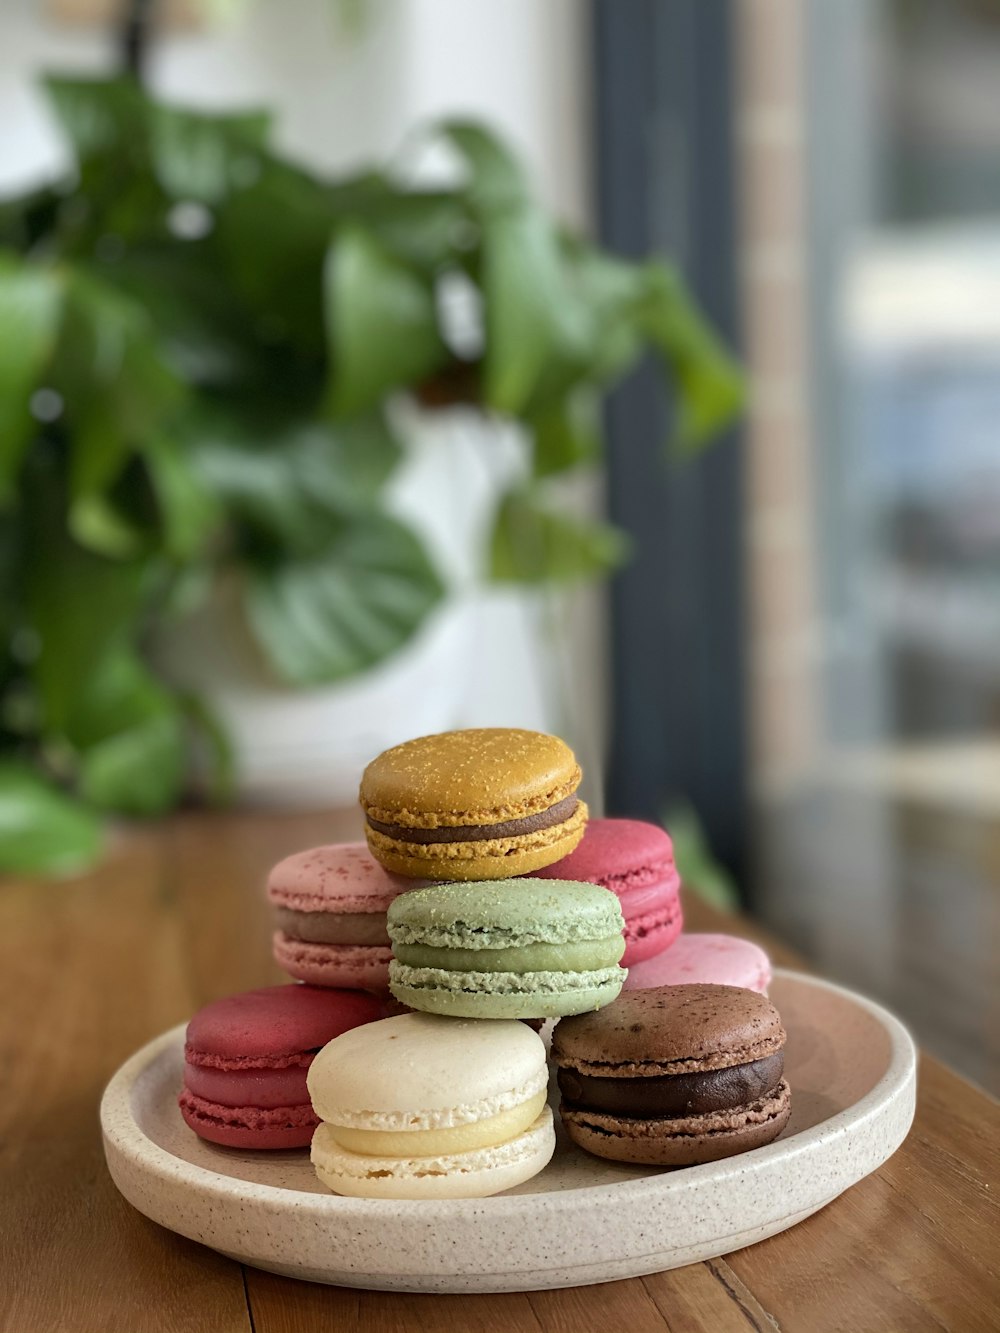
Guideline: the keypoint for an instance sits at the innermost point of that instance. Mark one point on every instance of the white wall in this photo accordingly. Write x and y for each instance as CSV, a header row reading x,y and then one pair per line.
x,y
345,98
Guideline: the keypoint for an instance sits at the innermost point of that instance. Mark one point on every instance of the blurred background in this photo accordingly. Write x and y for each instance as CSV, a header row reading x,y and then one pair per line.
x,y
409,405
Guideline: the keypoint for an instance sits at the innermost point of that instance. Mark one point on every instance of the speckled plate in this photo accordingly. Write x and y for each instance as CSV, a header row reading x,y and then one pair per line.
x,y
852,1069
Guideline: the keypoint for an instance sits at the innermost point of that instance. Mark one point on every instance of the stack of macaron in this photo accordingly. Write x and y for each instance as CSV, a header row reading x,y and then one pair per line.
x,y
480,896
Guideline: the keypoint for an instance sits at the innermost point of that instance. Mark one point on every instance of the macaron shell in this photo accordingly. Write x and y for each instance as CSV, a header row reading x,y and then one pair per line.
x,y
621,854
356,967
722,960
249,1126
264,1026
672,1029
418,1071
482,775
468,1175
486,858
338,877
685,1141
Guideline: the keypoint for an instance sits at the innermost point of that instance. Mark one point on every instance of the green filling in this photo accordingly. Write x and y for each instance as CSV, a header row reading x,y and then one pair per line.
x,y
575,956
499,983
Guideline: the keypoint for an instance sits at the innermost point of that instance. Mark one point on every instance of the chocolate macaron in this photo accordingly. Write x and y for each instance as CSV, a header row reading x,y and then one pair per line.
x,y
486,803
674,1076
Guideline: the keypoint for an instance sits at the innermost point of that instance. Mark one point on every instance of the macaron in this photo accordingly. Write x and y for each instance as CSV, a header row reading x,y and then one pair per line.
x,y
635,860
329,906
487,803
723,960
246,1058
674,1076
421,1107
523,948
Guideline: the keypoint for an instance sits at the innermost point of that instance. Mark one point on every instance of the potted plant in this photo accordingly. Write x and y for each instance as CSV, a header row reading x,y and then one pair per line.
x,y
201,344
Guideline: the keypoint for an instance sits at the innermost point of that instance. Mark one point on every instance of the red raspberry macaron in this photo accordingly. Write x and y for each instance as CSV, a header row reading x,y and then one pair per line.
x,y
634,860
246,1057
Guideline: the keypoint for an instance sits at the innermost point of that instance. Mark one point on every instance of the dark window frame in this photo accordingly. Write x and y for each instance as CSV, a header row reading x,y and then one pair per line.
x,y
665,184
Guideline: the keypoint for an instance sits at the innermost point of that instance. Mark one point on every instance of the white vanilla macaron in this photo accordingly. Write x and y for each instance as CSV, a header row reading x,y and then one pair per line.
x,y
426,1107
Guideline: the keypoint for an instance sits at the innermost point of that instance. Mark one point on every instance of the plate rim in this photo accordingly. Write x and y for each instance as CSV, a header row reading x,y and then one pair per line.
x,y
123,1132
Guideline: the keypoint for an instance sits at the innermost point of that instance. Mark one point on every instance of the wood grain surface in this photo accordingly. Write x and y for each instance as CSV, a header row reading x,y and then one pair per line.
x,y
94,967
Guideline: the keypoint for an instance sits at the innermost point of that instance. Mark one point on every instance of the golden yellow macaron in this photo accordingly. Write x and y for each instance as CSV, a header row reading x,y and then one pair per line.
x,y
485,803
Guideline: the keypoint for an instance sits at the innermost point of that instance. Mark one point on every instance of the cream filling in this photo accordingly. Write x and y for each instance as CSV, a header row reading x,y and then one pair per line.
x,y
488,1133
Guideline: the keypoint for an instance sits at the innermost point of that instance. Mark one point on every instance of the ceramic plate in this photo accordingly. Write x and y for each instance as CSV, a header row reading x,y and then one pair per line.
x,y
852,1070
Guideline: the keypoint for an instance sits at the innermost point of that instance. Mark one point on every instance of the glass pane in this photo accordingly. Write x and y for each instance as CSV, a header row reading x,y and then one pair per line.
x,y
870,152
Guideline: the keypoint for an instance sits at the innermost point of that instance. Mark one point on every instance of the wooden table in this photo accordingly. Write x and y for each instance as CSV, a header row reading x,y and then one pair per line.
x,y
95,967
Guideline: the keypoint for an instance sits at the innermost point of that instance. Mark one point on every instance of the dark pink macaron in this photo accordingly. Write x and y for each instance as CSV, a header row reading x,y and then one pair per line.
x,y
246,1057
634,860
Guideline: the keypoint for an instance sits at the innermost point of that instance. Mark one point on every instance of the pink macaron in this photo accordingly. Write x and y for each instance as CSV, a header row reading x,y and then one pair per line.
x,y
719,960
635,860
246,1057
330,905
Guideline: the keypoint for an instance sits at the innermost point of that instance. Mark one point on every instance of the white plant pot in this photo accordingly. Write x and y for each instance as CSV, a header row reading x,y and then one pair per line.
x,y
308,747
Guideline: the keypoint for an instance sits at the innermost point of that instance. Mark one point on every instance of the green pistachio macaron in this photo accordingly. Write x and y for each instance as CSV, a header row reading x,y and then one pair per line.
x,y
515,948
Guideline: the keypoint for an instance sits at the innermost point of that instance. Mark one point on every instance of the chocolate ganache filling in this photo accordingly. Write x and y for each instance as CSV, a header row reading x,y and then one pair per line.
x,y
666,1095
511,828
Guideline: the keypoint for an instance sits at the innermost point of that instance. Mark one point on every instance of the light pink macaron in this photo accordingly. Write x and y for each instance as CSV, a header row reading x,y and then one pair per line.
x,y
330,905
635,860
722,960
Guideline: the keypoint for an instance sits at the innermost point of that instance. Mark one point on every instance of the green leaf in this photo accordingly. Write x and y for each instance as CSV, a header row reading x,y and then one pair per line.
x,y
496,180
201,324
701,874
567,435
610,291
344,465
29,314
203,157
425,228
536,329
27,218
535,543
76,602
382,322
214,744
189,513
289,482
97,524
271,240
117,389
129,733
709,382
531,325
138,771
97,115
42,831
345,609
